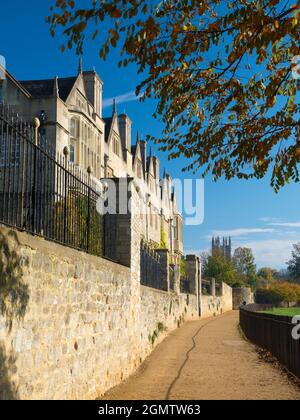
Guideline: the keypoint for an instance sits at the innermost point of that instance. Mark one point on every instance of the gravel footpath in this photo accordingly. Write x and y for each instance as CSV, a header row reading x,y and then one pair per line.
x,y
206,359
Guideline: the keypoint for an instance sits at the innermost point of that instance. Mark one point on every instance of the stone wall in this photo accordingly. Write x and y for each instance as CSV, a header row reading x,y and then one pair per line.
x,y
73,325
76,307
162,312
216,305
241,295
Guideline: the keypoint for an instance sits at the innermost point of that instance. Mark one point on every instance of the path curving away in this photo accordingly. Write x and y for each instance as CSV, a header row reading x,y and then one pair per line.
x,y
206,359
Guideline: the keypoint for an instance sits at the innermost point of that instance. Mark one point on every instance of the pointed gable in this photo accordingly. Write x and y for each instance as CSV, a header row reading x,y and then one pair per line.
x,y
111,127
137,165
150,171
150,167
137,155
78,85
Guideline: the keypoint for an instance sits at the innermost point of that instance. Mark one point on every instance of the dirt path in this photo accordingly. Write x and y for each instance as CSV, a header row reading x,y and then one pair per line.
x,y
206,360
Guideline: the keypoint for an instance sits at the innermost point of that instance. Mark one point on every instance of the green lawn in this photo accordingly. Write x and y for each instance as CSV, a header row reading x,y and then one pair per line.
x,y
283,311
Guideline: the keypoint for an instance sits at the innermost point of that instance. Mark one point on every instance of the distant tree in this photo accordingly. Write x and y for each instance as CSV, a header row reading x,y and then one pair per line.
x,y
225,75
204,256
279,292
283,275
267,274
243,261
294,263
221,269
182,267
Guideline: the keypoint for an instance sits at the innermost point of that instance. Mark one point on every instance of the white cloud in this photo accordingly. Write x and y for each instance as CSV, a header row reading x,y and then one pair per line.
x,y
197,252
271,219
270,252
241,231
121,99
285,224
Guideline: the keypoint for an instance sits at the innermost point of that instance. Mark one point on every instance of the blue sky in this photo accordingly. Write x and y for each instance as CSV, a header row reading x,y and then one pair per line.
x,y
248,210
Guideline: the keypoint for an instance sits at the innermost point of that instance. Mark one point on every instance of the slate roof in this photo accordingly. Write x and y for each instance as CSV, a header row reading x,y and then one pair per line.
x,y
45,88
108,122
133,150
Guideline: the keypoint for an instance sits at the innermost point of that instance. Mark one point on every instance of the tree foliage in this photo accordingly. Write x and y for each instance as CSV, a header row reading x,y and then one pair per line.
x,y
222,74
243,261
267,273
77,233
163,239
220,268
279,292
294,263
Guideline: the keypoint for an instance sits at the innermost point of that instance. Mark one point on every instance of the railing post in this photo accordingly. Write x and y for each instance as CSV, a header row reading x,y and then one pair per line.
x,y
88,230
66,154
164,269
192,273
36,125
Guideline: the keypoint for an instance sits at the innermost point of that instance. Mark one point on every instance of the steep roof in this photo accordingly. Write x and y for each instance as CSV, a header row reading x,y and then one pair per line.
x,y
108,123
9,76
133,149
45,88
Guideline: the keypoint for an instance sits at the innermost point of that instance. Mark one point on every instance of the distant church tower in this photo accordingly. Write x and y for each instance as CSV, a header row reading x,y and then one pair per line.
x,y
224,247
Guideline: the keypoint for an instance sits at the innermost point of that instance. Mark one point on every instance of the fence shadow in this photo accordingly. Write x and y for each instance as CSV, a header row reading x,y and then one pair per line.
x,y
14,297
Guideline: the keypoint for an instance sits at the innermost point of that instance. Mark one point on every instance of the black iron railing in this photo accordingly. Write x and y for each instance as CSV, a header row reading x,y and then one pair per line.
x,y
41,192
150,267
184,285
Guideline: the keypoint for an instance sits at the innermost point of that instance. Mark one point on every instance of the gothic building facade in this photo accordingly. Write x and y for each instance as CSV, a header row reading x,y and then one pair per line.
x,y
222,246
71,116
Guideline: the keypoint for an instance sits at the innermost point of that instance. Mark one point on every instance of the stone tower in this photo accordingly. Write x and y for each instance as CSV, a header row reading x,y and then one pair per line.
x,y
223,246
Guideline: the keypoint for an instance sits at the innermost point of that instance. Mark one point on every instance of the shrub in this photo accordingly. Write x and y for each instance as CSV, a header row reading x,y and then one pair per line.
x,y
279,292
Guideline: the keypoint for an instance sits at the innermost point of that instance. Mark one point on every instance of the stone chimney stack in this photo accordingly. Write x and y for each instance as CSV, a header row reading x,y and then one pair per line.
x,y
156,164
143,145
125,131
94,90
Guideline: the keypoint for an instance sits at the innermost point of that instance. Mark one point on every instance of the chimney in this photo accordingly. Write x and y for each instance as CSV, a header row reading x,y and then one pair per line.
x,y
125,131
94,89
143,145
156,164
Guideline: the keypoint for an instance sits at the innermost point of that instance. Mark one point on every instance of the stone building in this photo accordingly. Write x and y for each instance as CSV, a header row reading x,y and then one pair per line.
x,y
70,112
224,246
